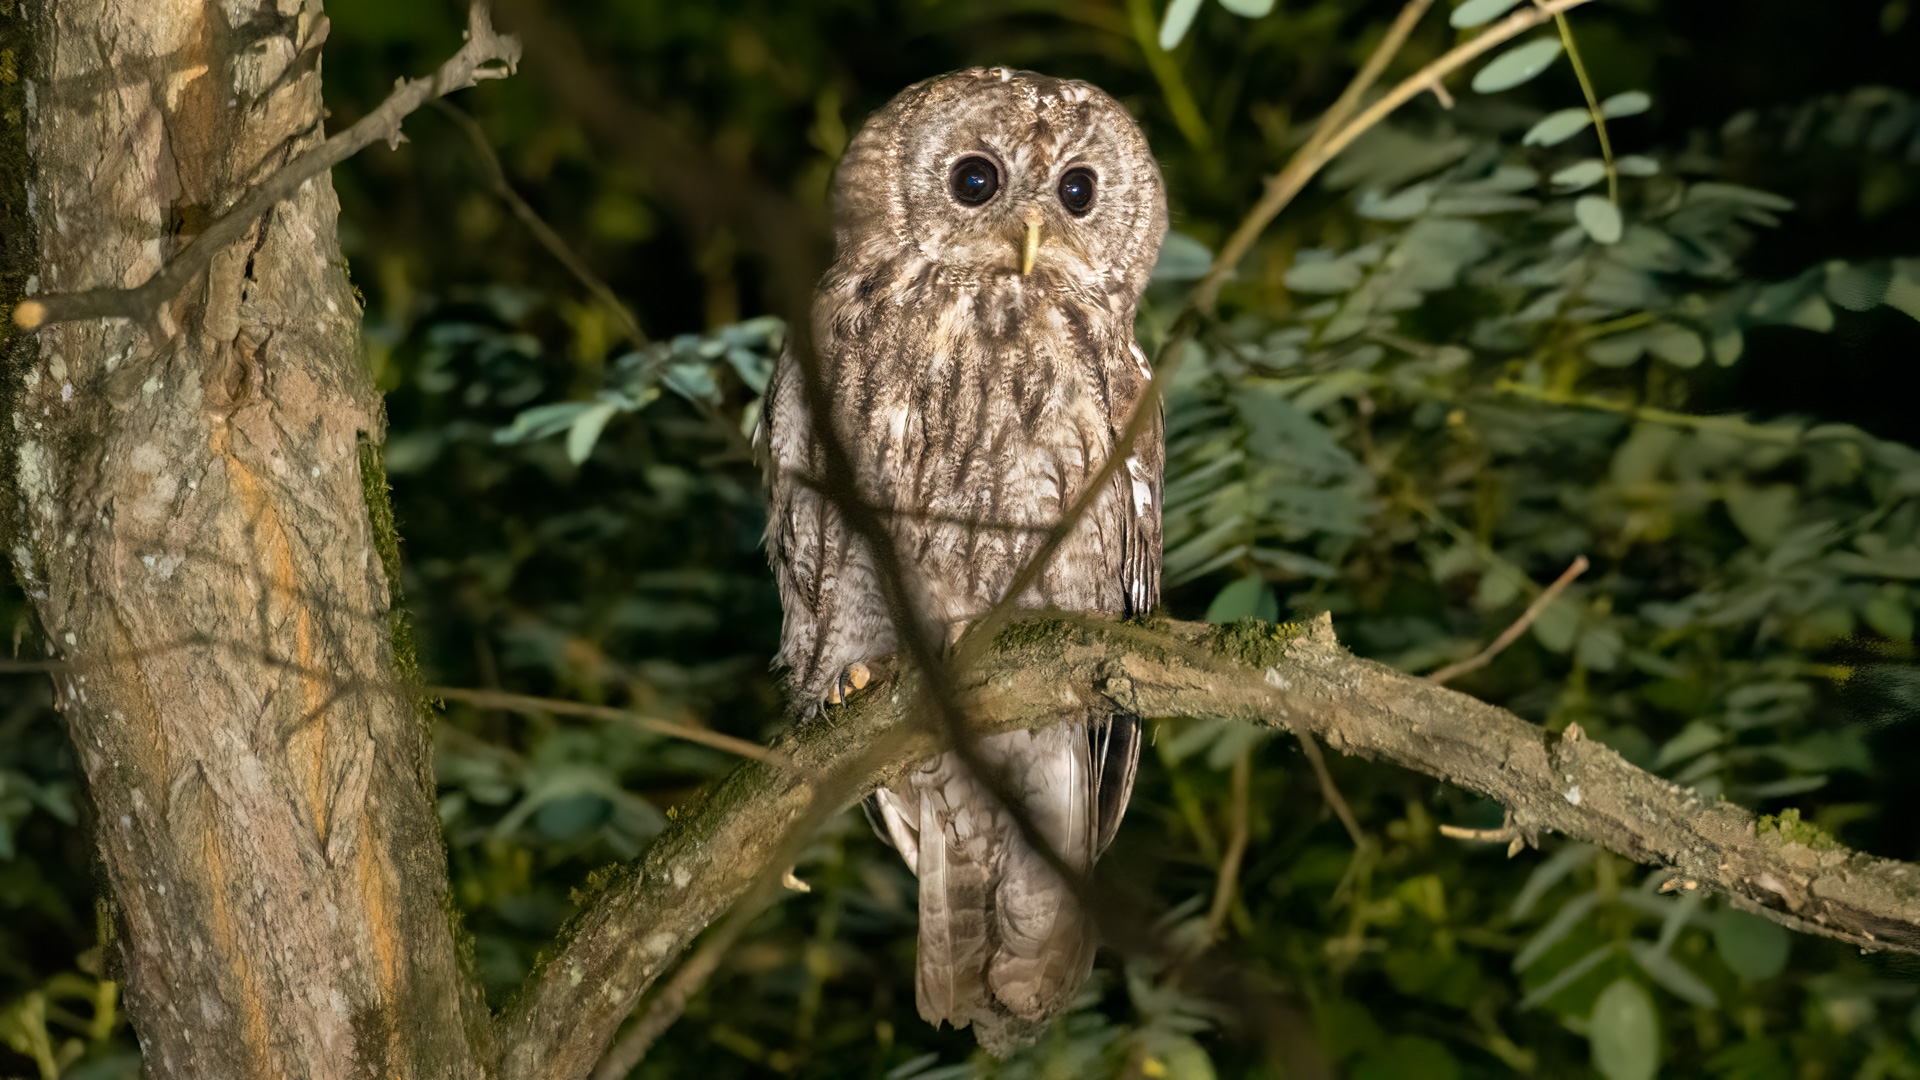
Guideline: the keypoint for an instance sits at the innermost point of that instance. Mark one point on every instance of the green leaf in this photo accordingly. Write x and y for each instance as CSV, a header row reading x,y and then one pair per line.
x,y
1557,127
1727,347
693,381
1601,218
1857,288
1630,103
1547,875
1890,614
1762,513
1752,947
1182,258
1248,9
1404,1056
1475,12
1709,191
570,815
1178,19
1624,1033
1322,275
1580,174
1618,350
1599,649
541,421
1643,454
1696,738
1517,65
1556,625
1903,292
1247,598
1811,314
586,429
1677,345
1569,916
1636,165
1569,975
1407,204
1673,976
1497,589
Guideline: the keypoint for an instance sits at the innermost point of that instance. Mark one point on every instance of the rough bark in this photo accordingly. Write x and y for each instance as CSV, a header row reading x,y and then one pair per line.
x,y
1296,679
192,524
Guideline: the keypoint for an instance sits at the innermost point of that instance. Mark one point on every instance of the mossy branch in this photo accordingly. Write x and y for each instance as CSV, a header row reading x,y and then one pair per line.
x,y
1294,678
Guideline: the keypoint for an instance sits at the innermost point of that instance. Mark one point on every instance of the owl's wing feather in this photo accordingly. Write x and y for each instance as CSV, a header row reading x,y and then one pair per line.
x,y
1142,479
955,879
1114,747
896,821
1004,943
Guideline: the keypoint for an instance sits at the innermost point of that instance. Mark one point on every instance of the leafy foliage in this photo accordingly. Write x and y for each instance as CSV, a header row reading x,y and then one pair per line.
x,y
1443,375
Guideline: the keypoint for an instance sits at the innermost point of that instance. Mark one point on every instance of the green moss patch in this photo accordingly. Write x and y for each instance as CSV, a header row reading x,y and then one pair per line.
x,y
1794,831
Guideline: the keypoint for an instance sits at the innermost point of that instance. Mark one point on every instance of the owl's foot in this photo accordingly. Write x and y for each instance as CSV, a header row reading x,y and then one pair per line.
x,y
956,630
855,676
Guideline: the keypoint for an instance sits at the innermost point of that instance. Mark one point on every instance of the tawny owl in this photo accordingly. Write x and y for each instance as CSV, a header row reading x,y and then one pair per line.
x,y
994,230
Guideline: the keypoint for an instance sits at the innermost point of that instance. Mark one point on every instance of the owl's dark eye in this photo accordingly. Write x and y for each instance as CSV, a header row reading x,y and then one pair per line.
x,y
1076,191
974,180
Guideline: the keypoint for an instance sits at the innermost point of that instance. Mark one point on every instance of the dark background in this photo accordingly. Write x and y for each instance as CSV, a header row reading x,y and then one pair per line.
x,y
636,577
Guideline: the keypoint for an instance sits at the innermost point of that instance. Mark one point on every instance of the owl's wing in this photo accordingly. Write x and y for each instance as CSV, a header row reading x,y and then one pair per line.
x,y
1141,477
1004,943
807,543
1114,743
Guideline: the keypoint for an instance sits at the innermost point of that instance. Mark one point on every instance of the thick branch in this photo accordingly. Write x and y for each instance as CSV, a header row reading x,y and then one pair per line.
x,y
486,55
1292,678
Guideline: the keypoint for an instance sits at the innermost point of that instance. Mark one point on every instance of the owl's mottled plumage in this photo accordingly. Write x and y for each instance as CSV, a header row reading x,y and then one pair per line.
x,y
976,397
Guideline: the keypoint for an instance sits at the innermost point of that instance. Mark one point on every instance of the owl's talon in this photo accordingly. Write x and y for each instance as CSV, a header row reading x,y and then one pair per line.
x,y
855,677
956,630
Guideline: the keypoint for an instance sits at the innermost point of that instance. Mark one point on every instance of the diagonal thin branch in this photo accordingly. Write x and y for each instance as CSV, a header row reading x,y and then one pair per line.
x,y
537,225
1311,158
1226,888
524,703
486,55
1331,792
1512,633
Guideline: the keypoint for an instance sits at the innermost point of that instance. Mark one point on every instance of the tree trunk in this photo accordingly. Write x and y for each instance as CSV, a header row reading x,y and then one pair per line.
x,y
191,518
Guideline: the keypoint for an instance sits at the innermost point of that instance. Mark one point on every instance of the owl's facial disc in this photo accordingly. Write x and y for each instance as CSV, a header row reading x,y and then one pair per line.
x,y
996,178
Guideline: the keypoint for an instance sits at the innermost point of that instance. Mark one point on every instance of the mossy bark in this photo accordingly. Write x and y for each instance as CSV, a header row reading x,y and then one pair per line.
x,y
191,519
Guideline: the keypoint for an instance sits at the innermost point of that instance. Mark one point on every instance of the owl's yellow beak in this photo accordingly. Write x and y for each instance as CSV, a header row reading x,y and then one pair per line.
x,y
1031,246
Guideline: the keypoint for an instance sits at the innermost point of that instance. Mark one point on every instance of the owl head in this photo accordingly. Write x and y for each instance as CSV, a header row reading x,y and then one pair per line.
x,y
1004,177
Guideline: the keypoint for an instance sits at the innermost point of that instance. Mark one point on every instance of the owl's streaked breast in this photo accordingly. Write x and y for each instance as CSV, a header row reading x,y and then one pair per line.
x,y
980,408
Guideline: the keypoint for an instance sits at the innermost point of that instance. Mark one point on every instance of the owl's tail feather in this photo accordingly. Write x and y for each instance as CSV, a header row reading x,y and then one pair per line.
x,y
1004,942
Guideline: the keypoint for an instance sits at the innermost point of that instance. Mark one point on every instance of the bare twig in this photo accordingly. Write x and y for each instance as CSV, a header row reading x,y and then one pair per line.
x,y
523,703
1593,104
1510,834
1331,791
1512,633
486,55
557,247
1226,888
